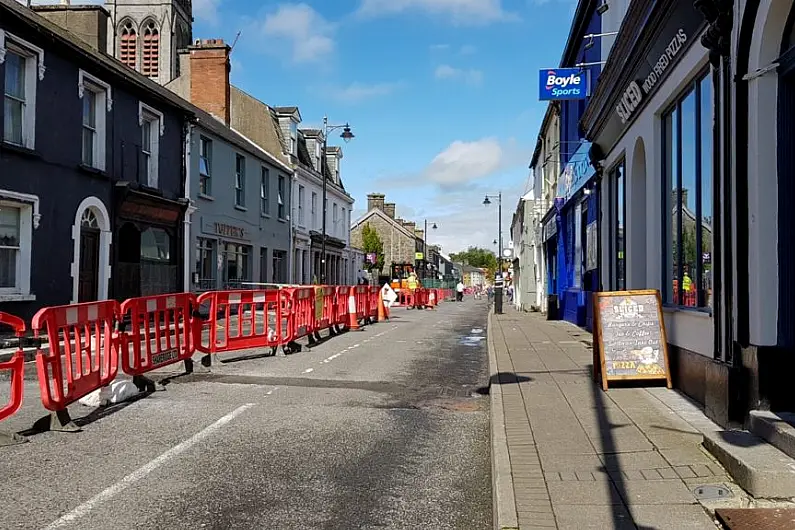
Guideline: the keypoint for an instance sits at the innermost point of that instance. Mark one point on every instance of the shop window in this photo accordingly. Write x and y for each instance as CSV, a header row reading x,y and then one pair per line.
x,y
279,266
9,247
618,214
205,264
240,181
205,165
687,145
236,265
314,210
155,245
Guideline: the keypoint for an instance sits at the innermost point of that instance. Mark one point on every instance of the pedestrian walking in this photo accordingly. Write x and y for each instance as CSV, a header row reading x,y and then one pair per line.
x,y
459,292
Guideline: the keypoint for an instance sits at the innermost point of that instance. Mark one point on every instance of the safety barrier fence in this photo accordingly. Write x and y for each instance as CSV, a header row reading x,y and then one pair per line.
x,y
82,347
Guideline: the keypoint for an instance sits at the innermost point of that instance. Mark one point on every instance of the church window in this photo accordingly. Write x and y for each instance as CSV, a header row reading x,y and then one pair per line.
x,y
128,45
151,50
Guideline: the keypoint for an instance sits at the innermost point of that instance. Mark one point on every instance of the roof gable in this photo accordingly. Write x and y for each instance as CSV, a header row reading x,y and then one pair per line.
x,y
379,213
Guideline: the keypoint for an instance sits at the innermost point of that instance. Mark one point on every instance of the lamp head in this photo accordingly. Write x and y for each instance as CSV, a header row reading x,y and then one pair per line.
x,y
486,201
347,135
434,226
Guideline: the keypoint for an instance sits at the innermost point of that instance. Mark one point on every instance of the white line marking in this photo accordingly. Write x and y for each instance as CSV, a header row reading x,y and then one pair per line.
x,y
309,370
355,346
271,391
143,471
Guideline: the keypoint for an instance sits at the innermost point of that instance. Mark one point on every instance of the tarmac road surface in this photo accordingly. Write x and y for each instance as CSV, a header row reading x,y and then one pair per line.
x,y
381,428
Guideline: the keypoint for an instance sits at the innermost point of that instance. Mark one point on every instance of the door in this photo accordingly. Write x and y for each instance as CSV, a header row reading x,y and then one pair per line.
x,y
88,282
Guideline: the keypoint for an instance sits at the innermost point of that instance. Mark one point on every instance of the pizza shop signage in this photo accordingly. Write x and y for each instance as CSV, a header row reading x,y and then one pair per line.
x,y
634,94
673,38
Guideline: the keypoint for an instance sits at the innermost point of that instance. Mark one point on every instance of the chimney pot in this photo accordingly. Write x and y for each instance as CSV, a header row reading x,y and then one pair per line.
x,y
375,200
209,77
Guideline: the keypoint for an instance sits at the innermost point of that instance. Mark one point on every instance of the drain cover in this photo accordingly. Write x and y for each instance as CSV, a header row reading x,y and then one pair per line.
x,y
757,518
712,492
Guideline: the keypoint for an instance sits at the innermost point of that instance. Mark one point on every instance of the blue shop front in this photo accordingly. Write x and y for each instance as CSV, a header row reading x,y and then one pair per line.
x,y
576,211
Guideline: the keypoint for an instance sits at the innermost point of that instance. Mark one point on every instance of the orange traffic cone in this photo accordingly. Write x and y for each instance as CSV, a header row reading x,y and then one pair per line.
x,y
383,313
353,322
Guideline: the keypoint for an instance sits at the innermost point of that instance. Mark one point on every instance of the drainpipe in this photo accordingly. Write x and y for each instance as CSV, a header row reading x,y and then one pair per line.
x,y
291,256
186,240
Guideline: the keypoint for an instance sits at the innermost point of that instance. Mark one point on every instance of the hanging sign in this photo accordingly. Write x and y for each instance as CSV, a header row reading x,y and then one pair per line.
x,y
629,337
562,83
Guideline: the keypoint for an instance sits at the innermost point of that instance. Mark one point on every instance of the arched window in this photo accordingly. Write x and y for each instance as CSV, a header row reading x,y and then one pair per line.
x,y
89,219
151,51
128,44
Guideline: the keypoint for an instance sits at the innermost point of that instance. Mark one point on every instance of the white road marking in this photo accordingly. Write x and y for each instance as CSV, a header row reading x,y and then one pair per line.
x,y
145,470
309,370
271,391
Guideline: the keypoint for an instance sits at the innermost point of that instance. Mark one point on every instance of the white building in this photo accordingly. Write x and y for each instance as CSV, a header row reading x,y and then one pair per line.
x,y
305,147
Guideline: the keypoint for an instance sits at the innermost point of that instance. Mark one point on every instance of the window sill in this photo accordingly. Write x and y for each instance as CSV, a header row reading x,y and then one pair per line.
x,y
241,208
11,297
282,220
19,150
92,170
695,311
206,197
265,215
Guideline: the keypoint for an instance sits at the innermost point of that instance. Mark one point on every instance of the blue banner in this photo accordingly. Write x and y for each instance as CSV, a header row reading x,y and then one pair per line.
x,y
577,173
562,83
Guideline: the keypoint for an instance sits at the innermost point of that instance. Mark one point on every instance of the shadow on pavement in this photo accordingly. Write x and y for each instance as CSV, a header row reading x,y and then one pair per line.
x,y
502,378
622,516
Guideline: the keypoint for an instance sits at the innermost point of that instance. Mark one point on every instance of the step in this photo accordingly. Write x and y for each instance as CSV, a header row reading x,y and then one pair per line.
x,y
777,428
758,467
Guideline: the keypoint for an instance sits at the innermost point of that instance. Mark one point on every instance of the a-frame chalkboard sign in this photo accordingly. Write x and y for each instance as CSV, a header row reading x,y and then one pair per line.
x,y
629,337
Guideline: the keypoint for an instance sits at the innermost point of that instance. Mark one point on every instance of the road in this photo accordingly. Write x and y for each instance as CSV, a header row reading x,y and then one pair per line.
x,y
381,428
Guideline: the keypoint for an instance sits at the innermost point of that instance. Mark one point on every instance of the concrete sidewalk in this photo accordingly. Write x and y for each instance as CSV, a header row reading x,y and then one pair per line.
x,y
567,455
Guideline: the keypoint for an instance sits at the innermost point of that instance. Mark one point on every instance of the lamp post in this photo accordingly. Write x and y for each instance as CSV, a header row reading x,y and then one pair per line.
x,y
425,245
498,279
346,135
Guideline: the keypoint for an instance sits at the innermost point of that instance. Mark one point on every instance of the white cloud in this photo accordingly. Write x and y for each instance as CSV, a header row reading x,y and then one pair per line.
x,y
309,35
463,162
206,10
439,47
469,12
468,49
357,92
471,77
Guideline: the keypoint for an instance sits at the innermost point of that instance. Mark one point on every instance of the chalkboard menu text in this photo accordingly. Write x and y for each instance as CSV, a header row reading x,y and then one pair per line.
x,y
630,340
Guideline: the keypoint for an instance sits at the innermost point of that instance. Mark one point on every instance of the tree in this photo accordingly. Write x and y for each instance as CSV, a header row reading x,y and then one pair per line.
x,y
477,257
373,245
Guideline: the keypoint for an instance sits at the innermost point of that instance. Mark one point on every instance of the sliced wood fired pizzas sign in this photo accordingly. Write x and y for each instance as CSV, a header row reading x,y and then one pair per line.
x,y
630,341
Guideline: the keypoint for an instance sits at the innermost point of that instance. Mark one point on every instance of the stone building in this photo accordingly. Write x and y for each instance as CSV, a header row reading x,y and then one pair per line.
x,y
402,240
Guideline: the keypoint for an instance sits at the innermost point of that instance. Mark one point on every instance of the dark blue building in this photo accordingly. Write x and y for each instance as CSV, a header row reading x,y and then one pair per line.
x,y
572,264
91,171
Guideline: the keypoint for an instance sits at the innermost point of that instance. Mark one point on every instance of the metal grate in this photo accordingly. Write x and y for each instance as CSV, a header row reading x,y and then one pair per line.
x,y
757,518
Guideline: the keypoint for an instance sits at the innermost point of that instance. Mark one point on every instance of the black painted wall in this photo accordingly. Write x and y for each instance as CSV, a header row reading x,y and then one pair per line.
x,y
52,170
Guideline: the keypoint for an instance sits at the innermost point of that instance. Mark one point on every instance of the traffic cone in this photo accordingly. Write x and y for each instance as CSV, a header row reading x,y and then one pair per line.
x,y
382,310
353,322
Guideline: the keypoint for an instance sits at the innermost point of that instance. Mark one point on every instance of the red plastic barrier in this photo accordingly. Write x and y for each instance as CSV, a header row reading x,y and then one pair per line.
x,y
373,296
160,332
16,365
301,313
341,313
240,320
83,343
361,295
325,300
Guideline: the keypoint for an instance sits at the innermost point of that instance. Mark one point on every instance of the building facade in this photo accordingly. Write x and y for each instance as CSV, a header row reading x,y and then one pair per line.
x,y
305,147
91,172
398,236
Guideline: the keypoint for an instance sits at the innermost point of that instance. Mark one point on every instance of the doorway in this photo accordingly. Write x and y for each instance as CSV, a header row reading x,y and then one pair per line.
x,y
88,286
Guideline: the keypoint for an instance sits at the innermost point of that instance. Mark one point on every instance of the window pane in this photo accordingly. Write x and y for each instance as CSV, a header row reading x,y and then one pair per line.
x,y
672,179
15,75
9,226
706,190
8,268
12,121
688,200
89,109
146,136
88,146
620,258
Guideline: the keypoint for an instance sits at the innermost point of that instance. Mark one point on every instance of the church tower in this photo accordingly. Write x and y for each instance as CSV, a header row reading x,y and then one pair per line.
x,y
147,35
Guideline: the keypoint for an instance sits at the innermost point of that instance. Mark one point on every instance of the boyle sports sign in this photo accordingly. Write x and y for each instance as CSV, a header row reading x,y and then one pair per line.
x,y
562,83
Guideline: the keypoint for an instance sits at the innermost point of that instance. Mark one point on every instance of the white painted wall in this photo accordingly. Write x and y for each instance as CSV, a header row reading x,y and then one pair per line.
x,y
687,329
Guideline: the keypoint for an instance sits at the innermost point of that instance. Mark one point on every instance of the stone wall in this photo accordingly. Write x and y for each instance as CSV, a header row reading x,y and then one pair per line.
x,y
398,247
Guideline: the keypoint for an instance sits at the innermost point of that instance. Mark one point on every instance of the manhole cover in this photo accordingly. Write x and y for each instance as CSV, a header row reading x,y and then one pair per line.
x,y
757,518
712,492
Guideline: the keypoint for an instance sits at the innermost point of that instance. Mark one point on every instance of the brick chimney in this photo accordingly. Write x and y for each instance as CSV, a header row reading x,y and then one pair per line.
x,y
389,209
375,200
410,226
209,77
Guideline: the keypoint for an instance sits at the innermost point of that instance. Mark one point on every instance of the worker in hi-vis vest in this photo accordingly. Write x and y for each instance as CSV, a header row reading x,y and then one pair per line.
x,y
412,282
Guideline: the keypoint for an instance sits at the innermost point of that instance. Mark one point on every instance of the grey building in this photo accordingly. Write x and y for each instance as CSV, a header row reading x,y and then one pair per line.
x,y
236,189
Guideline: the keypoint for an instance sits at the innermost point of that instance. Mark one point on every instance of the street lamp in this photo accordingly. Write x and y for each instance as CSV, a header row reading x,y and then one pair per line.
x,y
425,244
346,135
498,288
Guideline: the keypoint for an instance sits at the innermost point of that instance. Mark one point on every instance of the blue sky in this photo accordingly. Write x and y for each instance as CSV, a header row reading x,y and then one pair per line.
x,y
442,95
